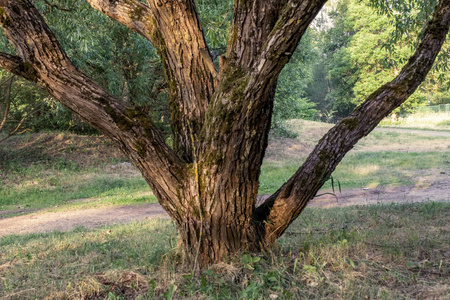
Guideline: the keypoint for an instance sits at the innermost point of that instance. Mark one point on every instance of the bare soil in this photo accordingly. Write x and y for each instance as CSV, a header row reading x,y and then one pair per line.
x,y
38,222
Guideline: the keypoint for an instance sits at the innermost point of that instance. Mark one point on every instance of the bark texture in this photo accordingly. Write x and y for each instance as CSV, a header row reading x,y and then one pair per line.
x,y
174,29
208,182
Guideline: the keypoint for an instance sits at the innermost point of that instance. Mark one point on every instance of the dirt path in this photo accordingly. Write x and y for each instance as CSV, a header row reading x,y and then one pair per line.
x,y
89,218
438,190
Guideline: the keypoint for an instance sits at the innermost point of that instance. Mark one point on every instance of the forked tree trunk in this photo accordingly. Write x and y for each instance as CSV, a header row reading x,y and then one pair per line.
x,y
208,182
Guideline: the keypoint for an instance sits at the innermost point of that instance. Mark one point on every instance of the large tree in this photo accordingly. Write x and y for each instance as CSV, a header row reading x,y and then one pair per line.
x,y
208,180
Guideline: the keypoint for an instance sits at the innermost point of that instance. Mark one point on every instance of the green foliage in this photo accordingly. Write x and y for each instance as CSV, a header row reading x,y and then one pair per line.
x,y
215,17
333,69
118,59
366,47
290,101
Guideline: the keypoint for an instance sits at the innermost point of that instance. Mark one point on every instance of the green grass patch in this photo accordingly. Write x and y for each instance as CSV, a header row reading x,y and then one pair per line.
x,y
62,190
444,123
361,169
45,170
374,252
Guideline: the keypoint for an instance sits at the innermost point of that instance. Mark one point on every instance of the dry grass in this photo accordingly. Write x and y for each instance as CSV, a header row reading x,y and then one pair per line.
x,y
426,120
373,252
282,151
83,151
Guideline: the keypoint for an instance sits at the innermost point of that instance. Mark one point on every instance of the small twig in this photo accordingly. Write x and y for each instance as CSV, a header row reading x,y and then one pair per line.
x,y
18,293
7,101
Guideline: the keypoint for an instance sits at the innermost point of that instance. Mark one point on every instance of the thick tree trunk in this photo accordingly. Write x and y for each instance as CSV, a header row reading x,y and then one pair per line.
x,y
209,182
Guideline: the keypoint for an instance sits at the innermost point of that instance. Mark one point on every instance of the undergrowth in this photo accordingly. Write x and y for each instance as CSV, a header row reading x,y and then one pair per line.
x,y
371,252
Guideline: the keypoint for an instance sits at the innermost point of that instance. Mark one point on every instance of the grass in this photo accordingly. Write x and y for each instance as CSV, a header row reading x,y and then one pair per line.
x,y
62,191
401,141
382,158
48,170
363,169
372,252
421,120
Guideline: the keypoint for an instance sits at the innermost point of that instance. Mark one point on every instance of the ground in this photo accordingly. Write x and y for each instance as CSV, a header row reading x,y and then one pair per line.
x,y
431,184
63,181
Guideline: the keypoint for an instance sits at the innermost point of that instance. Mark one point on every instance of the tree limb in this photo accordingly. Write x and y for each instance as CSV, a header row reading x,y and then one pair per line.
x,y
135,15
174,29
280,44
128,127
285,205
15,65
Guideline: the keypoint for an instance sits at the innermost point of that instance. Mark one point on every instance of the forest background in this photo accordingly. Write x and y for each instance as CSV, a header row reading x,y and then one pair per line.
x,y
352,48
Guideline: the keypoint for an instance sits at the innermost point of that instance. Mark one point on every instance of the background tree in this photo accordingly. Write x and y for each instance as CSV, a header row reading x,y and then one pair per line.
x,y
366,47
290,98
220,119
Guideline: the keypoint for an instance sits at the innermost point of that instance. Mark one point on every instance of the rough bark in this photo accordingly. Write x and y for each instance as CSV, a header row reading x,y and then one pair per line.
x,y
174,29
220,119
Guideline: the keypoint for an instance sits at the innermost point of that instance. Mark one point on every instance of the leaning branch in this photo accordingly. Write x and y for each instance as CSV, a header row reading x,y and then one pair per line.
x,y
15,65
134,14
283,39
173,27
285,205
129,128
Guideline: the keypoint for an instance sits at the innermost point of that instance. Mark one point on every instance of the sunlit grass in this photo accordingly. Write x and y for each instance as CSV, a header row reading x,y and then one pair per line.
x,y
377,252
60,182
42,186
101,189
428,120
364,169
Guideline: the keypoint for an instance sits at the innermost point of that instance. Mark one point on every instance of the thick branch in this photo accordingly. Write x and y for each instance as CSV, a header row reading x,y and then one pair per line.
x,y
15,65
130,129
236,141
284,207
134,14
282,41
267,31
174,29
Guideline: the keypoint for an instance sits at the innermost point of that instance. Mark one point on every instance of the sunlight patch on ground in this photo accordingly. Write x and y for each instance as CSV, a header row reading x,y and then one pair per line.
x,y
366,169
